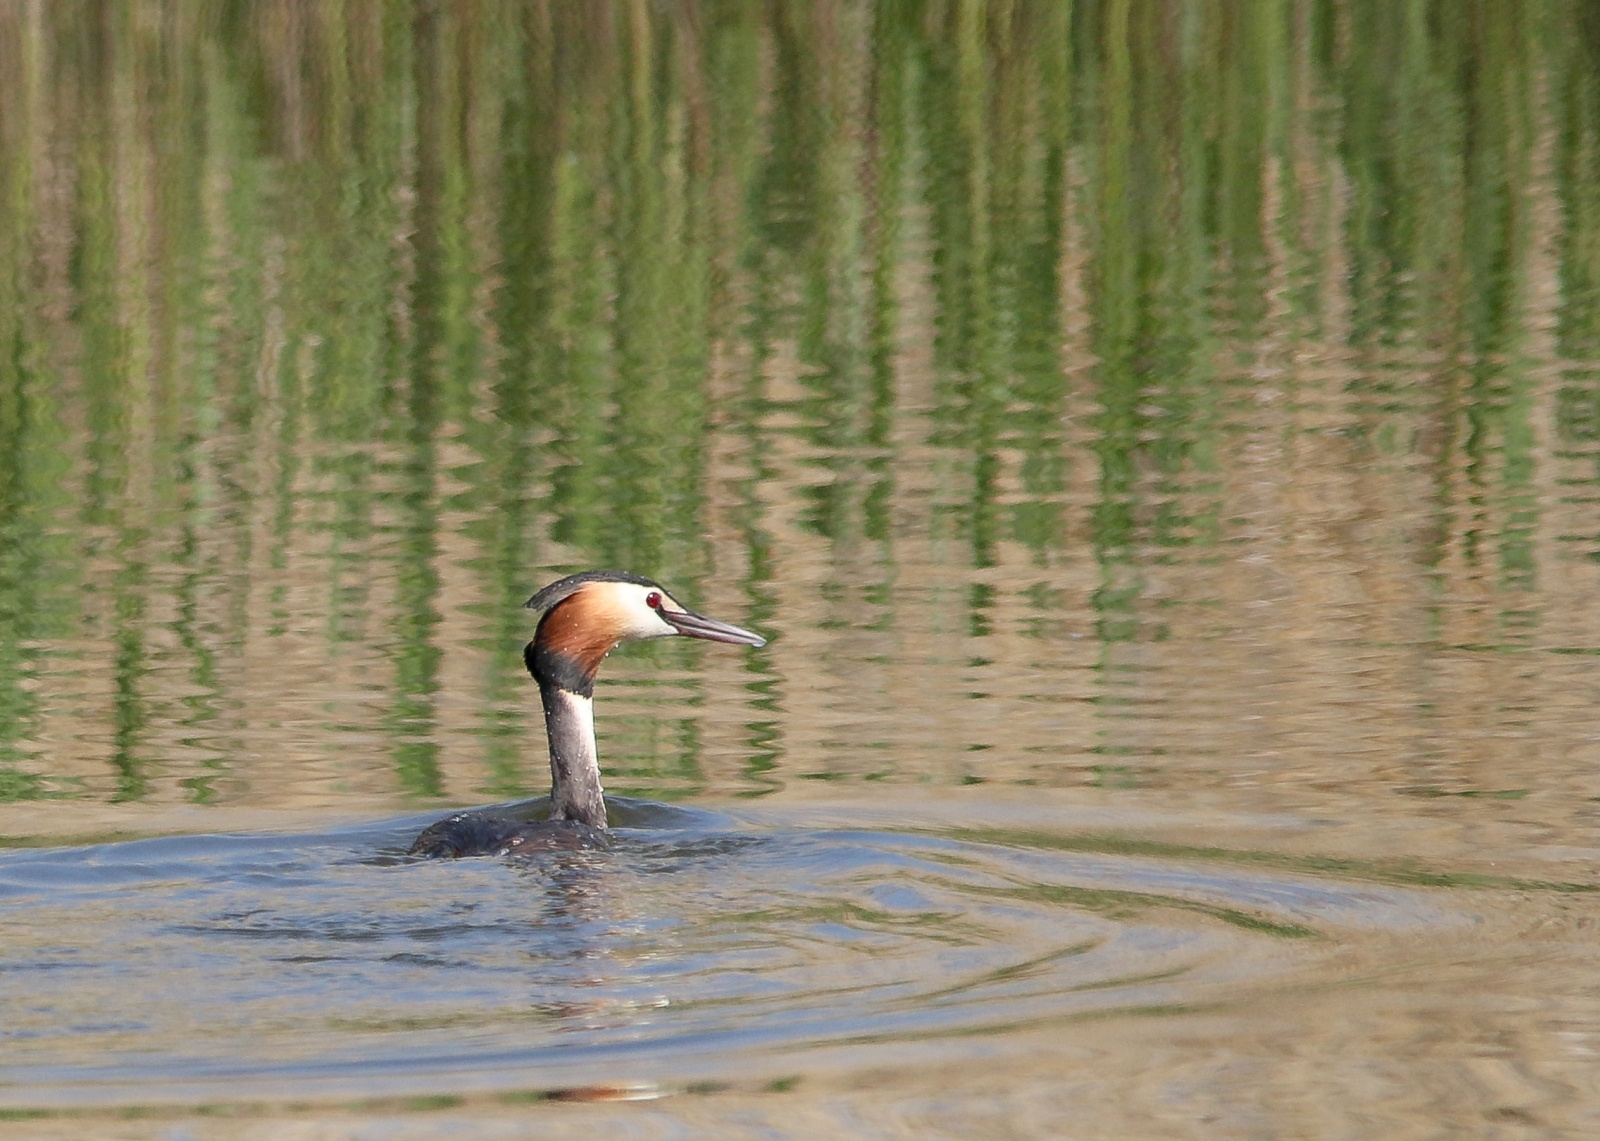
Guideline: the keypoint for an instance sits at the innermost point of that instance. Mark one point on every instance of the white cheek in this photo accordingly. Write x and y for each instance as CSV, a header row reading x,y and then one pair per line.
x,y
650,625
643,621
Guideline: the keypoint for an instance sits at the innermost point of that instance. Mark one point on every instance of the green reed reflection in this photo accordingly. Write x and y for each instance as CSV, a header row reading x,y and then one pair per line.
x,y
327,333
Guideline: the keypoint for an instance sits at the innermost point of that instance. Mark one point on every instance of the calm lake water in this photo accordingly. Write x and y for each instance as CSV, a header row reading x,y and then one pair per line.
x,y
1160,441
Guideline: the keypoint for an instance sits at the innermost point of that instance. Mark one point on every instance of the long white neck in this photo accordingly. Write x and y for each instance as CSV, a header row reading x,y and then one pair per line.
x,y
575,792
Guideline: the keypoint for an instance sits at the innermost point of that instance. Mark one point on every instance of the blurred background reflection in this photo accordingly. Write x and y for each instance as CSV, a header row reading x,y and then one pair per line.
x,y
1146,396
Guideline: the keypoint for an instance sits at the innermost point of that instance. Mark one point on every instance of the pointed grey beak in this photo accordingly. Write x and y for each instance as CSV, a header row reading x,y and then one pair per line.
x,y
699,626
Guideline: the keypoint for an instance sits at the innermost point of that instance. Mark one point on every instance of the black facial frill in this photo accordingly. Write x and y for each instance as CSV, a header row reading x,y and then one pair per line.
x,y
552,667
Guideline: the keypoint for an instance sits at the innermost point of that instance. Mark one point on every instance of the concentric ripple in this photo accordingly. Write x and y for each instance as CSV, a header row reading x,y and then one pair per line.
x,y
329,963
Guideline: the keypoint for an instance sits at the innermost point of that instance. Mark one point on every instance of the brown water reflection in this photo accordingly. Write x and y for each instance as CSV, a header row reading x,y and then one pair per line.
x,y
1127,408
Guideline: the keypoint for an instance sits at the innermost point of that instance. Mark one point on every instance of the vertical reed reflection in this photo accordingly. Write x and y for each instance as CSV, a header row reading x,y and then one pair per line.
x,y
422,323
327,333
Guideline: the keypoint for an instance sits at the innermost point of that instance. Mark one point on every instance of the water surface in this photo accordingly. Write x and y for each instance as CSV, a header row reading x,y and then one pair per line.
x,y
1160,443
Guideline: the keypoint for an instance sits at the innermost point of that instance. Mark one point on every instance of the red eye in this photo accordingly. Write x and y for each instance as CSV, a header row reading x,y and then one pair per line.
x,y
653,600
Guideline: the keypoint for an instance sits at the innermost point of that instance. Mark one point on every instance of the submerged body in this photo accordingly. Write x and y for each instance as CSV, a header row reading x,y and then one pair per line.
x,y
586,616
496,832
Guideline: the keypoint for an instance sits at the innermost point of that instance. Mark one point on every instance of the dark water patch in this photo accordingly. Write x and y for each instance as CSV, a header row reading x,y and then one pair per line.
x,y
1400,873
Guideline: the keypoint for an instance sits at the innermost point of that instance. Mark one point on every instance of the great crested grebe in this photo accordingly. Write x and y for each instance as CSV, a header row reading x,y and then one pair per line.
x,y
586,616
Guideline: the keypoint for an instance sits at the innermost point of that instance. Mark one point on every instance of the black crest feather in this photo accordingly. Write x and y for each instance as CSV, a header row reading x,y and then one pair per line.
x,y
564,588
